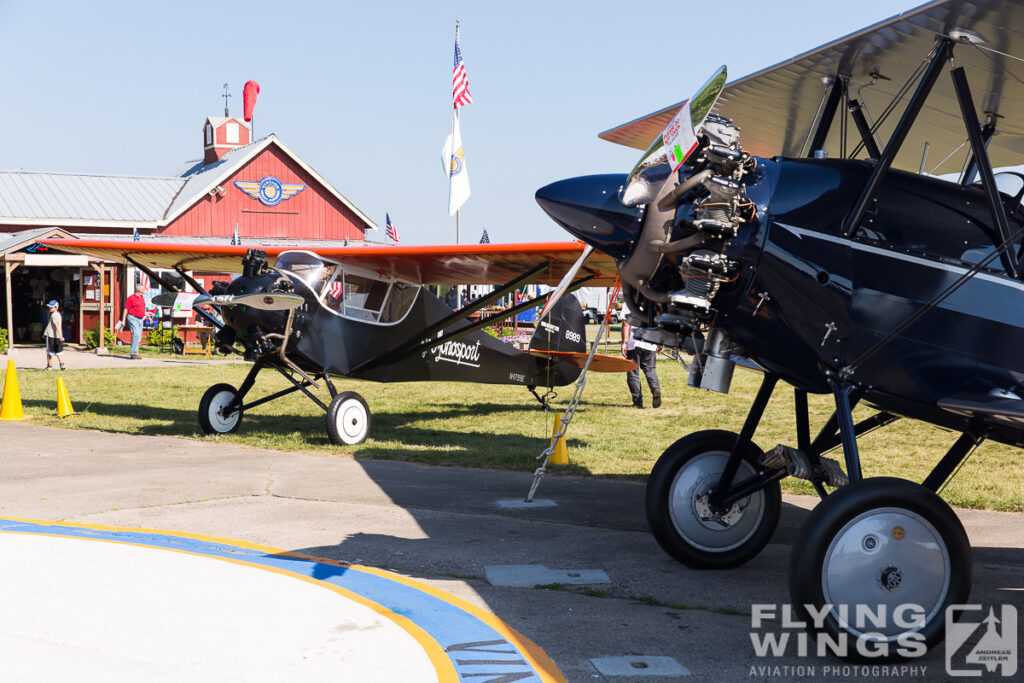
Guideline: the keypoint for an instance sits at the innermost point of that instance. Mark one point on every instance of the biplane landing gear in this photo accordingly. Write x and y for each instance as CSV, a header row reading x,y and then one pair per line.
x,y
685,520
214,418
348,419
885,546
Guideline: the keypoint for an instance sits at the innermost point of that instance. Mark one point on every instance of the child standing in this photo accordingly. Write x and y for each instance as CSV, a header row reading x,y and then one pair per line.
x,y
54,335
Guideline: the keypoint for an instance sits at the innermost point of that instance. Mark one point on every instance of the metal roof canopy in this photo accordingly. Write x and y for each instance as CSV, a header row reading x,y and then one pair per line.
x,y
777,108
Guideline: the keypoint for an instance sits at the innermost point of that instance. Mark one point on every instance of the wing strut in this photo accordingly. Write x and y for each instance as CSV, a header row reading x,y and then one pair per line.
x,y
943,51
166,285
1009,258
825,122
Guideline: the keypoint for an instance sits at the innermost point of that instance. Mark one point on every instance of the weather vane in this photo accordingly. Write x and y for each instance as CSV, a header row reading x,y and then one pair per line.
x,y
226,95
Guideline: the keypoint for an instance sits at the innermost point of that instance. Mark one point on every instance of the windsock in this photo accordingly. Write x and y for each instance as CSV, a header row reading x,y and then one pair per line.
x,y
249,93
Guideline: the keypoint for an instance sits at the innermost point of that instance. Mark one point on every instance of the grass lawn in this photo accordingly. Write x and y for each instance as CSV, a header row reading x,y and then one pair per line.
x,y
503,427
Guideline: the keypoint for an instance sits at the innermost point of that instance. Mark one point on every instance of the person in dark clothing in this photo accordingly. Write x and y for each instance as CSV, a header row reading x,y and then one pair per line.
x,y
645,355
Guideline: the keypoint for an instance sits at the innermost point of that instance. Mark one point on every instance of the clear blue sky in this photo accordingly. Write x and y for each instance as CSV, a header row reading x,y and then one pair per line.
x,y
362,91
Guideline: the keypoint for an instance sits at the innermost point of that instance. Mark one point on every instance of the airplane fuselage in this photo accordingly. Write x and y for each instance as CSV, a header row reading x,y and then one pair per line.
x,y
808,301
825,299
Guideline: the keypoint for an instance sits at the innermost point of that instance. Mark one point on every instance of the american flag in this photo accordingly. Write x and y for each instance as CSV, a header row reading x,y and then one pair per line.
x,y
135,234
460,84
144,280
484,238
336,289
390,231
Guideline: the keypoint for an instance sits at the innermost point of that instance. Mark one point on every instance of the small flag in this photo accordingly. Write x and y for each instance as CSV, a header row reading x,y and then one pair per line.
x,y
250,91
135,234
235,239
460,84
390,231
484,239
336,288
454,160
144,280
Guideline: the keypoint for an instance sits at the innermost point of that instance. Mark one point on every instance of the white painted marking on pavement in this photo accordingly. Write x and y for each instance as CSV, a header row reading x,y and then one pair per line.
x,y
530,575
639,666
520,503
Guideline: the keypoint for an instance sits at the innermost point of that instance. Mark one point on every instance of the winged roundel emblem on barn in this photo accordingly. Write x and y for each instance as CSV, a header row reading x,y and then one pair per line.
x,y
269,190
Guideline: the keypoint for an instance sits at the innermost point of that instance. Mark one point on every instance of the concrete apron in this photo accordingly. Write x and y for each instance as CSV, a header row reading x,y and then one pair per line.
x,y
449,528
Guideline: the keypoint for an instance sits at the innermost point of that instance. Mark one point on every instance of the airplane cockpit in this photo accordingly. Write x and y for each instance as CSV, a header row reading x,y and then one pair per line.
x,y
351,292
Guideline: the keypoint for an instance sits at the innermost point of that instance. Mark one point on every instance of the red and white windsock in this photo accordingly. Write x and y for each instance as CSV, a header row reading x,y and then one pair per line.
x,y
249,93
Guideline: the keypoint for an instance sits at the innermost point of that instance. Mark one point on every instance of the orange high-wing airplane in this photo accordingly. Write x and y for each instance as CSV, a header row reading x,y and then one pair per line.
x,y
364,312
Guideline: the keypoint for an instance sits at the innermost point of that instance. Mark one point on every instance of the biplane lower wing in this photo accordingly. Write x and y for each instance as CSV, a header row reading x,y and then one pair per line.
x,y
1000,409
424,265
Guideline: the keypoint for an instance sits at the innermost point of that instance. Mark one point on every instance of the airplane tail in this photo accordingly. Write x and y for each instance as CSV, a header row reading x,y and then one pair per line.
x,y
563,329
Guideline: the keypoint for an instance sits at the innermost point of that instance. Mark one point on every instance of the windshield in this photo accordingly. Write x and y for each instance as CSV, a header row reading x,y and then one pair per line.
x,y
370,299
307,267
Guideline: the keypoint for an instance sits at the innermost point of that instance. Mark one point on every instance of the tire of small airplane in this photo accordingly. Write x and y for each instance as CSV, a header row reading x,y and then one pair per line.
x,y
677,487
210,419
348,419
881,542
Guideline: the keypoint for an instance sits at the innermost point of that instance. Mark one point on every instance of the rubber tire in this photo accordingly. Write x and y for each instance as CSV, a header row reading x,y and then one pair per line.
x,y
205,422
343,403
659,493
830,516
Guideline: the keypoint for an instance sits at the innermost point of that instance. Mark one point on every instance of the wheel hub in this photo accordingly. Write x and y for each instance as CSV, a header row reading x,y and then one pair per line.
x,y
713,517
891,578
885,557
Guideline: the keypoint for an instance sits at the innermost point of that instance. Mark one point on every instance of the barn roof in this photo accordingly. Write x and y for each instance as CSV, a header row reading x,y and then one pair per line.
x,y
76,199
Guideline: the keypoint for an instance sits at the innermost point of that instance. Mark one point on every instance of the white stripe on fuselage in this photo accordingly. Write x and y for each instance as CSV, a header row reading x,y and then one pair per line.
x,y
959,270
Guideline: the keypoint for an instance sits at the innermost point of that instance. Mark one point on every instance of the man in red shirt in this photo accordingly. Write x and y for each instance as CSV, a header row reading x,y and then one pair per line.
x,y
134,312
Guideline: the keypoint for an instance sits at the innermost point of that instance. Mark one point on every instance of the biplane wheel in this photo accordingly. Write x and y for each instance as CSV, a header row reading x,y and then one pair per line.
x,y
348,419
683,522
211,406
876,546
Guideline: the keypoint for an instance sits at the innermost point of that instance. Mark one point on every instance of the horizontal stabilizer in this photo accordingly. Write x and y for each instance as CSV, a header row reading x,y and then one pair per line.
x,y
989,407
602,362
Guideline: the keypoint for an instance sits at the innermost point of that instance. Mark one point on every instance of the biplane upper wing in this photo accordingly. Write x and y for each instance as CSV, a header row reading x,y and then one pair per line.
x,y
777,108
435,264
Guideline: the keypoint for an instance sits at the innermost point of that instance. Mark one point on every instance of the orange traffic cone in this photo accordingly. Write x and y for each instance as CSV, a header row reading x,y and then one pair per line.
x,y
560,456
64,408
11,408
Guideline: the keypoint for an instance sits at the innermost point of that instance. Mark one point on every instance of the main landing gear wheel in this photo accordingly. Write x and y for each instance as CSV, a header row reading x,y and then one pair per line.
x,y
212,419
881,544
683,520
348,419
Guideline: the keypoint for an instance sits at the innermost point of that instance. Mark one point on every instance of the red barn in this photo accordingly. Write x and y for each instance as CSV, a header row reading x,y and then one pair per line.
x,y
257,192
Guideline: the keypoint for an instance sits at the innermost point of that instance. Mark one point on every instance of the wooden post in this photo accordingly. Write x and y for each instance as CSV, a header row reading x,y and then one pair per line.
x,y
99,342
81,306
10,314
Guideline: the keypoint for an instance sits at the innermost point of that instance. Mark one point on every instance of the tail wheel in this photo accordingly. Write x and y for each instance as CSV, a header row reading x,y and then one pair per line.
x,y
348,419
683,521
886,547
212,416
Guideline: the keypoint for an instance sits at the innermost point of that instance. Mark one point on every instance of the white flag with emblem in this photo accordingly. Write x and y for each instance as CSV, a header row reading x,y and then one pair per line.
x,y
454,161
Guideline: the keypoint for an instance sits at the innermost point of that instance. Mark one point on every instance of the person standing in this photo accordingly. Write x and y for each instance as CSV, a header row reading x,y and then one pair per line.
x,y
645,355
54,335
134,313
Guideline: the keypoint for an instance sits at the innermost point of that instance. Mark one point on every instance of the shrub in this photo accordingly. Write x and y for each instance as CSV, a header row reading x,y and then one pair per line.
x,y
3,340
160,337
92,337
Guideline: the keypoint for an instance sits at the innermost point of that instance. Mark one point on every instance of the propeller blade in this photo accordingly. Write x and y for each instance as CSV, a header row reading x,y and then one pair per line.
x,y
566,281
676,143
268,302
165,299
